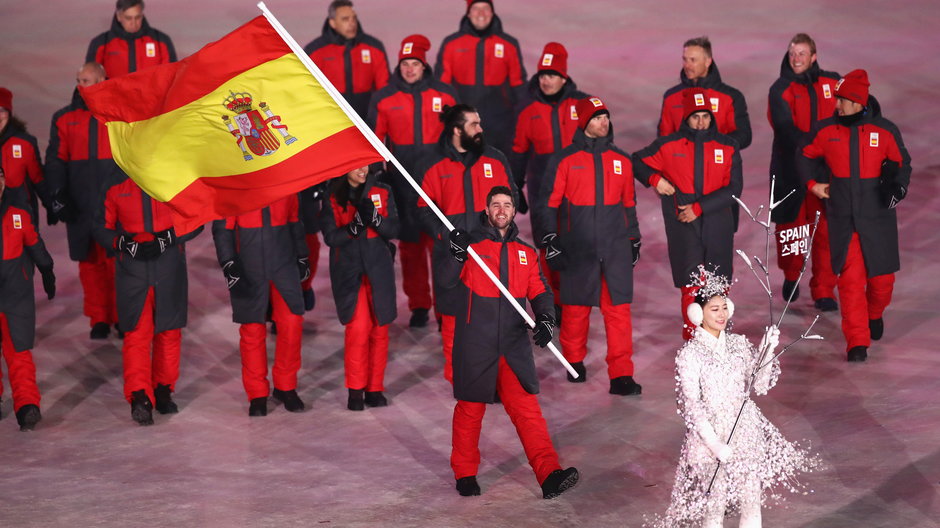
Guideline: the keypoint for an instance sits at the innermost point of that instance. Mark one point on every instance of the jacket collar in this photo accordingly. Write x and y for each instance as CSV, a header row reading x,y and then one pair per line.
x,y
711,80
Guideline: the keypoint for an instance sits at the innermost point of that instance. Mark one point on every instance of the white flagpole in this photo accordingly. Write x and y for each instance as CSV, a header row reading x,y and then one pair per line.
x,y
383,150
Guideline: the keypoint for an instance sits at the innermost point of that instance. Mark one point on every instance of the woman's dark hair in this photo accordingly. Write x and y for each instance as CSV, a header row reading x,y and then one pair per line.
x,y
14,123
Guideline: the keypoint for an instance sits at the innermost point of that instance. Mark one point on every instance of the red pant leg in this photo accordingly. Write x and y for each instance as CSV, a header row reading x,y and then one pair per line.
x,y
448,325
575,323
688,329
619,329
554,278
166,357
378,349
254,359
524,411
854,306
287,343
21,369
823,282
790,264
465,439
136,352
880,289
356,353
96,274
313,244
415,271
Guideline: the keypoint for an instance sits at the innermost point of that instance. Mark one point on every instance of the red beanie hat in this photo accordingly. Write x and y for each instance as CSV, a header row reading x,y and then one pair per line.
x,y
471,2
854,87
6,99
554,59
694,100
414,47
588,108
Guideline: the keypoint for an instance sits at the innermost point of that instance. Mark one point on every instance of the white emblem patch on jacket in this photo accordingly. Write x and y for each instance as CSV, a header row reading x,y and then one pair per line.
x,y
17,222
522,258
618,168
827,92
366,57
151,50
436,104
574,113
714,102
719,156
377,200
487,170
499,51
17,151
873,139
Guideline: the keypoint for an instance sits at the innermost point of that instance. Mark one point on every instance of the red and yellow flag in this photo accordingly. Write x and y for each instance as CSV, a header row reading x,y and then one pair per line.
x,y
231,128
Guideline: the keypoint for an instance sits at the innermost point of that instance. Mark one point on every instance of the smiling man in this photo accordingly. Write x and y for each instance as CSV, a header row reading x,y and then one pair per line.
x,y
131,44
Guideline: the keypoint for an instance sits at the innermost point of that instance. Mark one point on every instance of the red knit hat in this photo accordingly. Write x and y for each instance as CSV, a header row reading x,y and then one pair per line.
x,y
414,47
554,59
588,108
694,100
471,2
854,87
6,99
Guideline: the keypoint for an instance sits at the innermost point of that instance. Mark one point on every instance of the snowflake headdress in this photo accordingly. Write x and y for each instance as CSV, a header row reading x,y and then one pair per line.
x,y
705,285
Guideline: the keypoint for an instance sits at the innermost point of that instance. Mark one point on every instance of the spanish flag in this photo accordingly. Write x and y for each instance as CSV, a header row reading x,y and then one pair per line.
x,y
229,129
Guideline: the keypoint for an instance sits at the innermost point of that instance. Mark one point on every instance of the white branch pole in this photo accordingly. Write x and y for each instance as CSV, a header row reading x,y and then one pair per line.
x,y
383,150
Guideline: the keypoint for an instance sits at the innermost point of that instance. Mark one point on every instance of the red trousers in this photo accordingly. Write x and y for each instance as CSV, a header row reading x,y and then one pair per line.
x,y
862,297
448,325
575,324
822,284
526,415
96,274
415,272
254,350
21,369
313,244
141,370
366,345
554,278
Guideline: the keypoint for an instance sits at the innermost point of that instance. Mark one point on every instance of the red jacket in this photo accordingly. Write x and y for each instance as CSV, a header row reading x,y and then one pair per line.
x,y
121,52
357,67
795,104
19,156
729,110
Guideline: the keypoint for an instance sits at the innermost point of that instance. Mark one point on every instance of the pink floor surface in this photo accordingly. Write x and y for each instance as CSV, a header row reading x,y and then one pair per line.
x,y
875,424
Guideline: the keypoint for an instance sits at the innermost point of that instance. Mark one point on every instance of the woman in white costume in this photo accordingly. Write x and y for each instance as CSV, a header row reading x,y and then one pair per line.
x,y
713,373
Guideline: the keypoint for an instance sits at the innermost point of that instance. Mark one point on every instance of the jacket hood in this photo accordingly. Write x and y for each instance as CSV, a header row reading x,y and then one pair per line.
x,y
418,86
495,28
585,143
810,76
335,38
711,79
484,231
535,91
118,29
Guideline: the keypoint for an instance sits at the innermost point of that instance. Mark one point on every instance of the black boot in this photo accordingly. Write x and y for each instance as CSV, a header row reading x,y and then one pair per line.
x,y
28,416
376,399
877,328
100,331
826,304
582,373
468,487
292,402
419,318
559,481
857,354
625,386
141,408
791,290
258,406
356,400
164,402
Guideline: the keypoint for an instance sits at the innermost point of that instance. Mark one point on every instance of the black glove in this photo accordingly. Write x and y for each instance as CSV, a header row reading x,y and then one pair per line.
x,y
303,264
368,213
459,242
48,281
51,217
544,329
523,207
166,239
61,208
233,272
126,244
636,250
356,227
553,252
892,192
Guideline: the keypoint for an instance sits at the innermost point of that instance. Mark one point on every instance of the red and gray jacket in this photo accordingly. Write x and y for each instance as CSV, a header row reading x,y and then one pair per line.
x,y
368,255
357,67
19,156
21,248
268,242
729,110
588,199
487,326
127,210
486,69
458,184
78,162
705,168
545,125
849,157
121,52
406,117
795,104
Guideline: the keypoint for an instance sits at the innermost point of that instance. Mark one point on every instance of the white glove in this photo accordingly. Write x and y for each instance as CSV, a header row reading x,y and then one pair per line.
x,y
770,340
721,451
